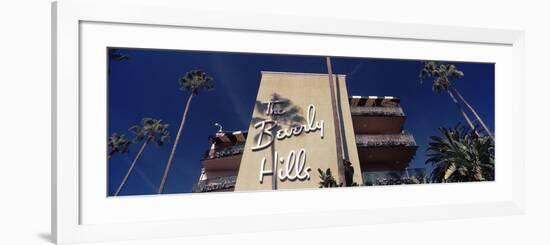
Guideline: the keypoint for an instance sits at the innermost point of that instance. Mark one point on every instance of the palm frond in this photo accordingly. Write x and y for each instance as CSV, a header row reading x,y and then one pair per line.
x,y
196,80
459,154
151,130
118,143
441,74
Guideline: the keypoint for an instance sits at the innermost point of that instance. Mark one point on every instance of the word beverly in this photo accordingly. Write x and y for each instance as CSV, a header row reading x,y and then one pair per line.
x,y
294,166
267,126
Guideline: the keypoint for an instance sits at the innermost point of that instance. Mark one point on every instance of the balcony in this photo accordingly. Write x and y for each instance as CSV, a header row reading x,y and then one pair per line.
x,y
377,119
385,152
224,152
226,158
226,183
377,111
381,140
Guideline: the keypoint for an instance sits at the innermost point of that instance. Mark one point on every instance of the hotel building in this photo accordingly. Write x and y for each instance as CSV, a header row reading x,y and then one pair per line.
x,y
385,148
294,131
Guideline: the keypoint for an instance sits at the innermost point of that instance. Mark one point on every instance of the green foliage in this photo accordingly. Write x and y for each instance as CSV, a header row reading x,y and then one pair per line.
x,y
151,130
118,144
328,181
442,74
196,80
413,180
460,155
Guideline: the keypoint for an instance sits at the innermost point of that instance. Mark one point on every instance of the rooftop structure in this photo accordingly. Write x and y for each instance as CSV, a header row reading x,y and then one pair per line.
x,y
220,164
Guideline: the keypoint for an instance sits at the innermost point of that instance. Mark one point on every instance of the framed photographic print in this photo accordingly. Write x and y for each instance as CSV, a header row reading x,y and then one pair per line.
x,y
165,123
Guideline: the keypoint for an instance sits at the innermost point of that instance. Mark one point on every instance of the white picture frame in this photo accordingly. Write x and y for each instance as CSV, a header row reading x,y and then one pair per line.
x,y
68,18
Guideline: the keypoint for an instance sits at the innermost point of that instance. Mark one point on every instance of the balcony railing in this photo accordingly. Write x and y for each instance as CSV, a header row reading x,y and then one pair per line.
x,y
382,140
215,184
224,152
377,111
408,176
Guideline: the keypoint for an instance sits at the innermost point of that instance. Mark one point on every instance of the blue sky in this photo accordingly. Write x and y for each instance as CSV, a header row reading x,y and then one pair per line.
x,y
146,85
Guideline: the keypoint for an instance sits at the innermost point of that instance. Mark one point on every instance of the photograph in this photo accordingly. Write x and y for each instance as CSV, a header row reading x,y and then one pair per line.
x,y
188,121
243,122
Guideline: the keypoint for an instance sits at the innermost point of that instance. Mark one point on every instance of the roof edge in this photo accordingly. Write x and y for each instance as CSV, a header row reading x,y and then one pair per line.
x,y
300,73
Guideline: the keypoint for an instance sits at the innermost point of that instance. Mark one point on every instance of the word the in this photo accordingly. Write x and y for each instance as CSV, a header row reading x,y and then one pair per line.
x,y
270,109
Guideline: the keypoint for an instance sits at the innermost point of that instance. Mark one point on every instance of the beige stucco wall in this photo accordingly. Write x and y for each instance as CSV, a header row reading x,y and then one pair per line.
x,y
348,135
300,90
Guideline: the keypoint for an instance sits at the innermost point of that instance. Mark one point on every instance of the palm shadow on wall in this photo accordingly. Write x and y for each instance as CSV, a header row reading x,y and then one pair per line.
x,y
291,117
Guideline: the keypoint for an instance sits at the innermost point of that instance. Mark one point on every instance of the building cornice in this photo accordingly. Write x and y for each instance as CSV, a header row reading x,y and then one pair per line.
x,y
300,73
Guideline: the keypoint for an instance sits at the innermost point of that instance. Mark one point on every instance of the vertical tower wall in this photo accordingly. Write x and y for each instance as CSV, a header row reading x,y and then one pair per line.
x,y
301,105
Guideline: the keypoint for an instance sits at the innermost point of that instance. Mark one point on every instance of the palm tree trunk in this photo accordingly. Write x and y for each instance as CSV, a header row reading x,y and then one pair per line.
x,y
462,111
337,127
474,112
132,167
171,158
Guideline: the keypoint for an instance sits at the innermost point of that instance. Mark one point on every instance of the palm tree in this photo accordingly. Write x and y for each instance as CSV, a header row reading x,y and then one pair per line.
x,y
461,155
474,112
118,144
443,76
150,130
194,81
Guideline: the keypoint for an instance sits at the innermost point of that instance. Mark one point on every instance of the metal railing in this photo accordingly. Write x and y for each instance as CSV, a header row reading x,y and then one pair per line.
x,y
224,152
380,140
408,176
215,184
376,111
